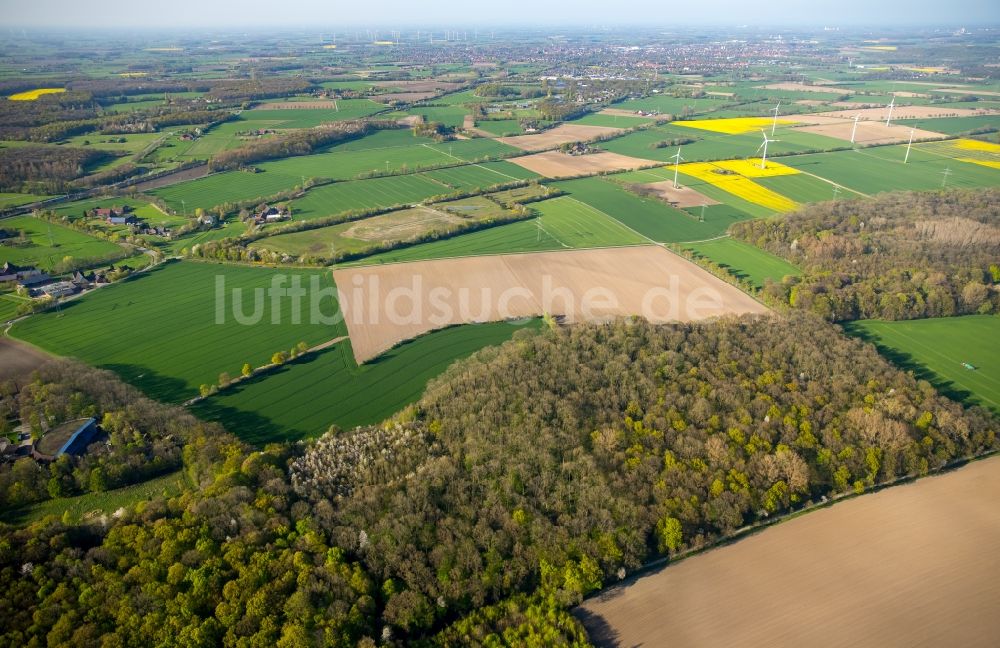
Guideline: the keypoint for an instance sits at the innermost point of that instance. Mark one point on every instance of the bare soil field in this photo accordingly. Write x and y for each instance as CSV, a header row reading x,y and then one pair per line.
x,y
556,164
561,134
18,360
193,173
870,132
811,102
680,197
385,305
905,112
804,87
912,565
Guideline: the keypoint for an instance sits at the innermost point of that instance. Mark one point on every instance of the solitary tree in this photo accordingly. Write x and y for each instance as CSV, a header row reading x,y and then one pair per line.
x,y
247,369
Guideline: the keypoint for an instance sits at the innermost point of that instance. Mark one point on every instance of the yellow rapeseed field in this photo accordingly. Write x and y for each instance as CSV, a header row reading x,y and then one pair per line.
x,y
751,168
733,125
976,145
993,164
740,185
31,95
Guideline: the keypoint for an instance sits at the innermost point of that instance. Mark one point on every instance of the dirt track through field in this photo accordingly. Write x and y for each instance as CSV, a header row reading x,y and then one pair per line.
x,y
385,305
913,565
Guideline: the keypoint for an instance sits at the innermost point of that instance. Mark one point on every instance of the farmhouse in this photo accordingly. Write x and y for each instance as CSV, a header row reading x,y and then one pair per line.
x,y
71,437
115,215
58,289
11,272
33,280
271,214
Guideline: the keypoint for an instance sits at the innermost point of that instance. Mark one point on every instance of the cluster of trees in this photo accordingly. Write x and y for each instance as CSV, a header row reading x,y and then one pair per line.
x,y
435,130
258,88
499,90
526,477
568,458
895,256
45,168
19,118
142,437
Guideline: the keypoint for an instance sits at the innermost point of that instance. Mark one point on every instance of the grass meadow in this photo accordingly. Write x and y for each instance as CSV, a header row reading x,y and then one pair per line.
x,y
303,398
934,349
49,243
158,330
744,260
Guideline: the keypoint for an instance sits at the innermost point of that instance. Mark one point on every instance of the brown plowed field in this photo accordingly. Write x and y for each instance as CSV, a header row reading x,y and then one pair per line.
x,y
556,164
912,565
387,304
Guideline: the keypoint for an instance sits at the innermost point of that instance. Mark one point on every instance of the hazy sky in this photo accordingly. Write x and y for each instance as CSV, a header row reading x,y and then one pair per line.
x,y
332,13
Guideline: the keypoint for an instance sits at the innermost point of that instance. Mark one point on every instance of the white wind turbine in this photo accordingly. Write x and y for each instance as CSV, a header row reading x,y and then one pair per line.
x,y
775,122
855,129
908,145
676,157
892,105
763,159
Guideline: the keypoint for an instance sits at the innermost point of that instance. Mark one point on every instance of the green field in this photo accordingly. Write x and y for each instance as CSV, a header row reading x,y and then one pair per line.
x,y
650,217
954,125
228,186
804,188
340,197
611,121
158,329
744,260
452,116
877,169
105,503
480,176
672,105
8,305
372,234
934,349
715,146
738,208
15,199
309,117
49,243
563,222
303,398
501,127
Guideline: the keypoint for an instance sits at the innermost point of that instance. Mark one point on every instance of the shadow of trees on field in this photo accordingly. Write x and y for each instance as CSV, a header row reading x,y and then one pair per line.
x,y
909,363
251,426
153,384
599,631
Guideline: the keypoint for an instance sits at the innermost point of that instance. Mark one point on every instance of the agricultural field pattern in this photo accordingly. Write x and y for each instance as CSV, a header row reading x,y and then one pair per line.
x,y
495,325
